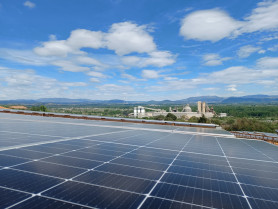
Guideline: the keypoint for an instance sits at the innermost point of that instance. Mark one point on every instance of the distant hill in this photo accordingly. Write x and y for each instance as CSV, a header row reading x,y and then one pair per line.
x,y
249,99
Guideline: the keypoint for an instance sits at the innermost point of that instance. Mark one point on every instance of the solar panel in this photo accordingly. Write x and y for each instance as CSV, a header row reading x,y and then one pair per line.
x,y
64,163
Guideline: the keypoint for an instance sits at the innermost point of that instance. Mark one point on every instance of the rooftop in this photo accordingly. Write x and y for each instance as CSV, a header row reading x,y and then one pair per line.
x,y
61,162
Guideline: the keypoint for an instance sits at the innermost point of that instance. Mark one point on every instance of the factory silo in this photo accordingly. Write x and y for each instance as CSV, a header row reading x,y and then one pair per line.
x,y
203,107
199,103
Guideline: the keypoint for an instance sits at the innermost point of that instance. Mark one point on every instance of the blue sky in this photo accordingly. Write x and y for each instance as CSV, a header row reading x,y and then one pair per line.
x,y
137,50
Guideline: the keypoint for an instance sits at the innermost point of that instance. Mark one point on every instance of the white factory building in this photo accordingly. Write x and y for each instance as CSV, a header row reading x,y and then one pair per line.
x,y
203,109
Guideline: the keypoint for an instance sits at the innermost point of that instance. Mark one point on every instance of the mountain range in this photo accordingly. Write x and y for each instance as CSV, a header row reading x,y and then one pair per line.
x,y
250,99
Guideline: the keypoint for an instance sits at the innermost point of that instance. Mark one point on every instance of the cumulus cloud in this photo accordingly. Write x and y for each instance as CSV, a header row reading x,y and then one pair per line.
x,y
212,25
78,39
29,4
55,48
214,59
247,50
123,38
81,38
150,74
126,37
215,24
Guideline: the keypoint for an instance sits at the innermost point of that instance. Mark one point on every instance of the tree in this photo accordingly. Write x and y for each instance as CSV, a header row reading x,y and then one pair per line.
x,y
43,108
193,119
170,117
202,119
159,117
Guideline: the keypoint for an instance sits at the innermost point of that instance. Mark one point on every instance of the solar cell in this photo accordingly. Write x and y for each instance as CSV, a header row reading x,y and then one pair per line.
x,y
261,192
117,181
108,167
259,181
97,150
44,203
89,156
9,160
75,162
50,169
25,153
130,171
45,149
95,196
258,204
25,181
202,173
140,163
10,197
205,166
199,196
153,202
151,158
202,183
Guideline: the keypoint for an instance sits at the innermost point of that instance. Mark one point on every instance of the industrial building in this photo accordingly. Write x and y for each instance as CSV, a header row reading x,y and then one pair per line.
x,y
203,109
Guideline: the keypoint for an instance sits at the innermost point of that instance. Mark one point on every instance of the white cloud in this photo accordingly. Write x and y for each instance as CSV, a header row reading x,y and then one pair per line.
x,y
78,39
264,17
96,74
150,74
215,24
268,62
26,57
123,38
126,37
247,50
210,89
212,25
88,61
156,58
232,87
270,38
262,51
29,4
273,48
214,59
131,60
128,76
168,78
159,59
265,73
85,38
55,48
94,80
70,66
52,37
26,84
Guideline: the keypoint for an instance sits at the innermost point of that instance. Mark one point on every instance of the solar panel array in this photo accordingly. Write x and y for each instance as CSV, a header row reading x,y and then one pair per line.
x,y
64,163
